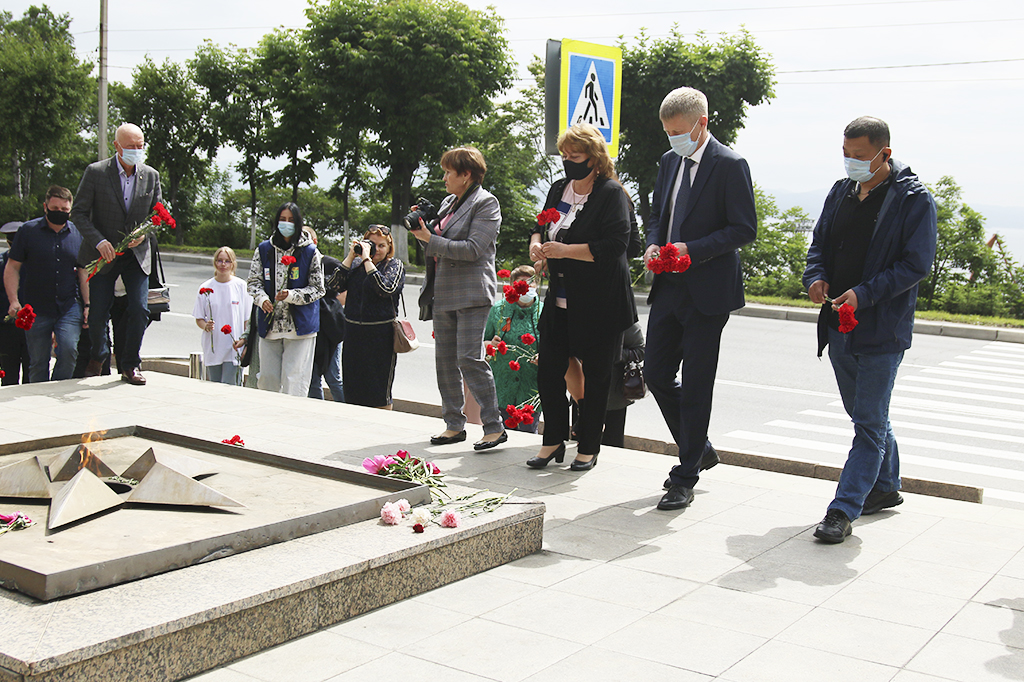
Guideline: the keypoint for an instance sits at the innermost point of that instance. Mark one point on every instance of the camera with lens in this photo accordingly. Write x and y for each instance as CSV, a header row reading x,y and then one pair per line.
x,y
425,210
358,248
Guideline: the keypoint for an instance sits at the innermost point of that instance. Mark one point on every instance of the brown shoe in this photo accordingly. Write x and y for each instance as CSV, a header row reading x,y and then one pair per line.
x,y
134,377
94,368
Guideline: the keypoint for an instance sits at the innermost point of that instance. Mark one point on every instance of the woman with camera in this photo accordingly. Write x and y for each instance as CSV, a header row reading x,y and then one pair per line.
x,y
373,278
286,281
589,301
458,291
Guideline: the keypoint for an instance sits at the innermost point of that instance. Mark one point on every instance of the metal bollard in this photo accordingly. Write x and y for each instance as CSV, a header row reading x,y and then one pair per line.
x,y
195,366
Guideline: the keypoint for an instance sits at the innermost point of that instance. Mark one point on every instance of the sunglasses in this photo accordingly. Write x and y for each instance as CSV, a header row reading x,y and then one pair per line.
x,y
382,229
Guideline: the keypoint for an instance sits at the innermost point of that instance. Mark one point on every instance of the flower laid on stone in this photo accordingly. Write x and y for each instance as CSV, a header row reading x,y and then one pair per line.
x,y
25,318
159,216
15,521
421,516
404,467
847,321
450,519
669,260
234,440
391,513
547,216
417,527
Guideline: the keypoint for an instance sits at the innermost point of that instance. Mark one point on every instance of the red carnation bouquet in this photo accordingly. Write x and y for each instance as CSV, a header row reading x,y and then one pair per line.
x,y
548,216
847,321
669,260
160,216
25,318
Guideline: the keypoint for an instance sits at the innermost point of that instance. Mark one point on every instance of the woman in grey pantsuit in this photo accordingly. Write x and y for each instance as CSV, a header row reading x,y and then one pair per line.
x,y
461,286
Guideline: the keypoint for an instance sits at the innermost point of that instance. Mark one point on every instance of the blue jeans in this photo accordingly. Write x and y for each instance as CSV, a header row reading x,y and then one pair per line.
x,y
223,374
331,374
865,384
136,317
66,328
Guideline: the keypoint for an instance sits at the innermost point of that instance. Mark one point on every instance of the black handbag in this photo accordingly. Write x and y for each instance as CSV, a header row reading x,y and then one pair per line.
x,y
159,293
633,386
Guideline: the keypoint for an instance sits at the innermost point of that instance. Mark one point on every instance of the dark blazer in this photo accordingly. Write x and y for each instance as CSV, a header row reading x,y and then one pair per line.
x,y
599,293
719,218
99,213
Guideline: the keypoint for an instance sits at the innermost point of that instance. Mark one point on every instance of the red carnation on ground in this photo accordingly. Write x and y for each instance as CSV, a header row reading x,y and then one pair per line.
x,y
226,329
504,274
234,440
528,338
417,527
287,260
847,321
513,365
547,216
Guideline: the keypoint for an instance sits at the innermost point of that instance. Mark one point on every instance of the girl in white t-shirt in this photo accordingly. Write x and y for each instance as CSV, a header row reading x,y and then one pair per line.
x,y
222,311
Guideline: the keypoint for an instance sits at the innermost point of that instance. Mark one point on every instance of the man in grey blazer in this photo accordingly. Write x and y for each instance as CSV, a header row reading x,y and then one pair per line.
x,y
114,197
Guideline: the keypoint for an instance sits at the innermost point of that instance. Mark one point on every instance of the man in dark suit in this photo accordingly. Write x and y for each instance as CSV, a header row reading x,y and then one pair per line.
x,y
704,204
114,197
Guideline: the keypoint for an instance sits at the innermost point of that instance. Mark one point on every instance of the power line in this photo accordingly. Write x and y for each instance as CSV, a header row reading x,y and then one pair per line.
x,y
941,80
905,66
730,9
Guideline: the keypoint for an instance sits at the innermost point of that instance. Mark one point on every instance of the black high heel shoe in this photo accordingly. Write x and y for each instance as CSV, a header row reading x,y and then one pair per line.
x,y
540,462
583,466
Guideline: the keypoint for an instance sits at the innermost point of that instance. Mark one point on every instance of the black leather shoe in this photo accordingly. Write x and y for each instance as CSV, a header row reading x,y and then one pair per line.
x,y
834,527
708,460
488,444
448,440
677,497
539,462
577,465
93,369
877,501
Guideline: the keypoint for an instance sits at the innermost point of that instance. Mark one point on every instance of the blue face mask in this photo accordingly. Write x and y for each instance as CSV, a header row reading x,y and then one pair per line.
x,y
860,171
287,230
682,144
133,157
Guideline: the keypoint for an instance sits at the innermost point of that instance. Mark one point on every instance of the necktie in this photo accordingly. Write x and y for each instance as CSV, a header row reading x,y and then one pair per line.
x,y
682,197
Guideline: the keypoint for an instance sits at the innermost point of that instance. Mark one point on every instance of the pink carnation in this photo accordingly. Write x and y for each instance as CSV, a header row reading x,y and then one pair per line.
x,y
403,506
375,464
451,519
390,514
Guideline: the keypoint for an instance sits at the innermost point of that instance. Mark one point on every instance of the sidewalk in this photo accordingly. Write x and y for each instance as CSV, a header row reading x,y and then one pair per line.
x,y
734,588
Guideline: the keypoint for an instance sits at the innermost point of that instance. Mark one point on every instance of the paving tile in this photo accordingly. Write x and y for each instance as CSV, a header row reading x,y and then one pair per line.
x,y
569,616
543,568
911,676
692,646
925,576
312,658
638,523
779,578
222,675
995,622
579,541
736,610
868,639
398,666
398,624
494,650
968,660
477,594
975,533
896,604
595,664
712,537
627,587
783,662
676,561
1014,568
1003,591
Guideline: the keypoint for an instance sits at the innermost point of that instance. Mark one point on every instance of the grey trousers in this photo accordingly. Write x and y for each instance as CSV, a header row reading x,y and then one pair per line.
x,y
459,355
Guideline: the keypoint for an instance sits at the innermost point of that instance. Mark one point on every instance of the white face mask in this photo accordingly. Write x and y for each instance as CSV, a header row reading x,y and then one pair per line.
x,y
860,171
529,297
682,144
133,157
286,229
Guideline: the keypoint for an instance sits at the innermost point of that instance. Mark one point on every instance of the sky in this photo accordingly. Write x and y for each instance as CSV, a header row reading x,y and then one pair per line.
x,y
953,105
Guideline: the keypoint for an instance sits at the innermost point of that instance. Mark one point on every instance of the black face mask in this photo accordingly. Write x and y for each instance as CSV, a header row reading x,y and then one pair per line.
x,y
576,170
57,217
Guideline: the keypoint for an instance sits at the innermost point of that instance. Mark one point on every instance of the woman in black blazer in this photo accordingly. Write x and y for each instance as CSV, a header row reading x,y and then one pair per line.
x,y
589,301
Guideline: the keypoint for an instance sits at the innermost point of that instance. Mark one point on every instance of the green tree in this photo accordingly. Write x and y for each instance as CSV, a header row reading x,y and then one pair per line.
x,y
180,141
43,95
733,73
408,71
773,264
240,110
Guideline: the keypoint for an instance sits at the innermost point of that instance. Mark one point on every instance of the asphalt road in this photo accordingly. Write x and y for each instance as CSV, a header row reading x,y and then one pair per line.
x,y
957,409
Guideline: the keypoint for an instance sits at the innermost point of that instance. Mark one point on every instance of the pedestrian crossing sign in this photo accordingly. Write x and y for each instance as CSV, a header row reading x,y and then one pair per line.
x,y
591,88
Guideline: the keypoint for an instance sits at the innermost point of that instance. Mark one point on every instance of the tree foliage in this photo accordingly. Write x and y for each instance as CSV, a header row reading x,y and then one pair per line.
x,y
774,263
43,96
733,73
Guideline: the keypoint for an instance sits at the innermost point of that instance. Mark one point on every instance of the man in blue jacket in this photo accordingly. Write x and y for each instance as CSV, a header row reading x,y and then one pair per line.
x,y
873,244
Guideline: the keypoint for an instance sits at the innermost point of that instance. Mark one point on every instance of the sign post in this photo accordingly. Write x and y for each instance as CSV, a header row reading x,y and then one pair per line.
x,y
588,78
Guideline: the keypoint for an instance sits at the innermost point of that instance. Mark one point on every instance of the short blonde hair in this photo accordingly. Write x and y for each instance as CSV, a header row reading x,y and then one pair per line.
x,y
231,256
685,102
586,139
523,271
462,159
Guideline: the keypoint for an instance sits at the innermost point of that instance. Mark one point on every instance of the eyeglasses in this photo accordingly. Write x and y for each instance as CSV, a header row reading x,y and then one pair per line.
x,y
383,229
223,261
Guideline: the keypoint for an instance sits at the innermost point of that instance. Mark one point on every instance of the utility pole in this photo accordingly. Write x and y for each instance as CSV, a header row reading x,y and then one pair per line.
x,y
102,118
